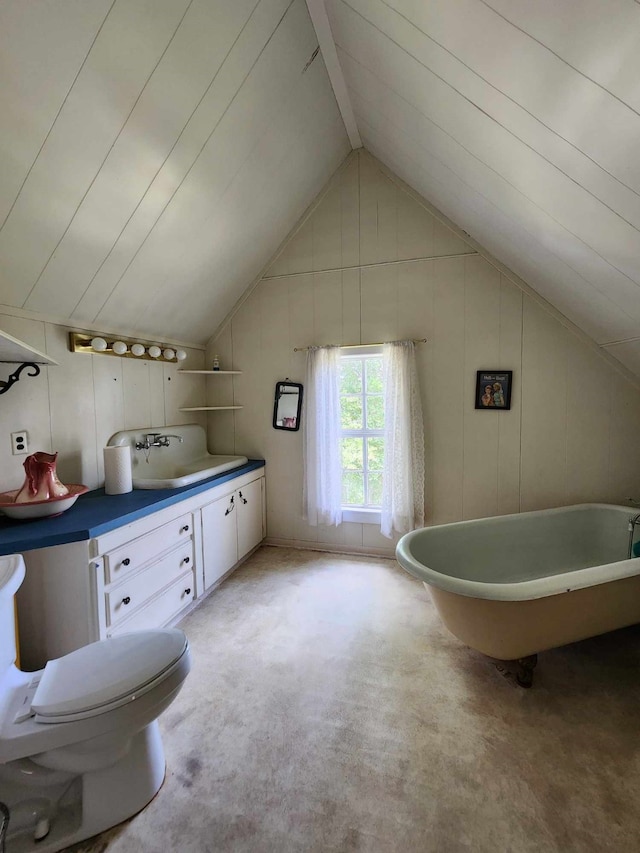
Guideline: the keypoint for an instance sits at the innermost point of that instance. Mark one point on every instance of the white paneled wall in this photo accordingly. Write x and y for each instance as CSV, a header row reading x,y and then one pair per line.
x,y
371,264
74,407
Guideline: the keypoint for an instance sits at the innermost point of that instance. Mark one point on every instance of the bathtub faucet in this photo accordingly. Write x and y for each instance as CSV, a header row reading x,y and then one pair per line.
x,y
4,823
633,521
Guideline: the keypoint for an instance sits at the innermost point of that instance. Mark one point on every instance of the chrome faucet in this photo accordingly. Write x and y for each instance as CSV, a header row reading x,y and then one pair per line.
x,y
633,521
156,439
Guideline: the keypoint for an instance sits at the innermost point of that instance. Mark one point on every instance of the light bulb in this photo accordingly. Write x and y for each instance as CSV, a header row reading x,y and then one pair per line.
x,y
181,355
155,352
169,354
98,344
137,349
119,347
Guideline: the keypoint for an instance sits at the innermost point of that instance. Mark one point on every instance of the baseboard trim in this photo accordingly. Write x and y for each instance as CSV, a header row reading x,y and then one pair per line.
x,y
306,545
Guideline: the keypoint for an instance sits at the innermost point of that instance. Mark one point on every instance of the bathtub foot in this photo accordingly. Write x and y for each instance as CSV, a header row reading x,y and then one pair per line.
x,y
524,671
518,671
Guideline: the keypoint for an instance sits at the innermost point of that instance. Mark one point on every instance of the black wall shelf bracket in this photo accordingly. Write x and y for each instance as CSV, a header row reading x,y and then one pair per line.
x,y
15,376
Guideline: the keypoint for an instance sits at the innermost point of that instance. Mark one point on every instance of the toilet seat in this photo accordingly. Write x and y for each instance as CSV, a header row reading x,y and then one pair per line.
x,y
104,675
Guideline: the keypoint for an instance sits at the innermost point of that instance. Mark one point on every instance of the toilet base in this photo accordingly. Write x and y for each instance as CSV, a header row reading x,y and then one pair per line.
x,y
99,799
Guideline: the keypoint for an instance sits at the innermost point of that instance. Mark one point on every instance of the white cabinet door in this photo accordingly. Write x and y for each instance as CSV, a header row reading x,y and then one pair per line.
x,y
219,541
249,512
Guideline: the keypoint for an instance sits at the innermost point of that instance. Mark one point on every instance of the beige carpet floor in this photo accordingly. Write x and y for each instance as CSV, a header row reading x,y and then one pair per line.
x,y
329,710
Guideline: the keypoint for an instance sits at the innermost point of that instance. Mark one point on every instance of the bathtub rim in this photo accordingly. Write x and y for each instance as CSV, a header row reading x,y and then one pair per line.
x,y
519,590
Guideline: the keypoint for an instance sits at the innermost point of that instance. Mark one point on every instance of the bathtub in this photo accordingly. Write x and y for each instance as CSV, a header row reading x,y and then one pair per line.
x,y
515,585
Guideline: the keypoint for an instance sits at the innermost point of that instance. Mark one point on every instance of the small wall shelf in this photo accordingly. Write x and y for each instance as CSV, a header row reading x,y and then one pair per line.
x,y
214,372
207,408
211,373
13,351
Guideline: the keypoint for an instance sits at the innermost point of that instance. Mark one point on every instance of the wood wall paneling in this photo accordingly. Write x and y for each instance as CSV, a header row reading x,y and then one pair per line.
x,y
74,407
571,412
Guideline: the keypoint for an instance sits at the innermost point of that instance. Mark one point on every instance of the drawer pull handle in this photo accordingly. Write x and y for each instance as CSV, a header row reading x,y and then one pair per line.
x,y
126,600
187,591
187,560
184,529
242,498
126,561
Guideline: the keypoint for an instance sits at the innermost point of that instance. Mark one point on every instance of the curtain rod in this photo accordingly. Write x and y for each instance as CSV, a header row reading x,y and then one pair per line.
x,y
357,346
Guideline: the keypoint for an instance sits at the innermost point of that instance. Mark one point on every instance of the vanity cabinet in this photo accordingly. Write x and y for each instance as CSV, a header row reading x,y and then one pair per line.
x,y
140,575
147,580
232,526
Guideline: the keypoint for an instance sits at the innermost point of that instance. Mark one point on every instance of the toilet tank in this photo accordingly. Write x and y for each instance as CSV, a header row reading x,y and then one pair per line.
x,y
11,576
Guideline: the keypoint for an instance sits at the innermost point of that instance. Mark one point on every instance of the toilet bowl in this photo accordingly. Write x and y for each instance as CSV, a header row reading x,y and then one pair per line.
x,y
80,748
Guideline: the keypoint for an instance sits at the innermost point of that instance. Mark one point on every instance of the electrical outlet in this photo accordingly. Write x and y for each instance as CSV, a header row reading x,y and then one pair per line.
x,y
19,442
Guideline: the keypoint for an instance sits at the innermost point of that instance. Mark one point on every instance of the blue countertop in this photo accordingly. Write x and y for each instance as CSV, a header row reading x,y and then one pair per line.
x,y
95,513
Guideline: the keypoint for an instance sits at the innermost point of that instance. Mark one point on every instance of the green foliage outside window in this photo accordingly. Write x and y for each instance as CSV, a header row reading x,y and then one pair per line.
x,y
350,376
351,412
362,412
352,454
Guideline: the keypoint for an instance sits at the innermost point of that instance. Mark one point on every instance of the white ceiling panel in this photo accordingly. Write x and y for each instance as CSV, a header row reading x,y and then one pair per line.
x,y
403,127
489,46
587,307
123,56
168,152
217,260
598,39
42,48
169,99
519,121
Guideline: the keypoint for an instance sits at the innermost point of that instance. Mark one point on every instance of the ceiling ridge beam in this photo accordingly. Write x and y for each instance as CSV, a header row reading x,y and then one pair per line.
x,y
321,25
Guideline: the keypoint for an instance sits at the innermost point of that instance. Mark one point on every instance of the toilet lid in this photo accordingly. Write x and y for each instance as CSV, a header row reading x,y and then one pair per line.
x,y
106,671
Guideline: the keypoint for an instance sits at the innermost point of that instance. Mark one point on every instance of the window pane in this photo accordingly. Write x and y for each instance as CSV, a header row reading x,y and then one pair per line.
x,y
375,489
350,376
375,453
374,375
353,488
352,454
375,413
351,412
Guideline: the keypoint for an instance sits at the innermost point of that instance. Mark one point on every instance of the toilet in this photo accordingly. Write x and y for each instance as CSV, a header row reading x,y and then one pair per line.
x,y
80,748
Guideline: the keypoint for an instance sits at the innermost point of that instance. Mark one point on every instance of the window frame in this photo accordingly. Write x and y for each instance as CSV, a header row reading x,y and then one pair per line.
x,y
350,512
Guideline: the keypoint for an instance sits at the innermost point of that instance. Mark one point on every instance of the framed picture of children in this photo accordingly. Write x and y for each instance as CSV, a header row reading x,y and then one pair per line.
x,y
493,390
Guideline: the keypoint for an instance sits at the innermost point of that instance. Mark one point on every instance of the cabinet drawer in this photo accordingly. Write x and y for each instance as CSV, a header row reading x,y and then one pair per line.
x,y
132,555
134,590
160,609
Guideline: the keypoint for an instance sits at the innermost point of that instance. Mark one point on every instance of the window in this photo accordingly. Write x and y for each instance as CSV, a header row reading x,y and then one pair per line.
x,y
362,430
364,442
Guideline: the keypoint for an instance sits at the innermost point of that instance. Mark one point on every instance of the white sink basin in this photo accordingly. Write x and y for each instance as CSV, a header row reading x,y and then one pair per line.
x,y
179,464
171,476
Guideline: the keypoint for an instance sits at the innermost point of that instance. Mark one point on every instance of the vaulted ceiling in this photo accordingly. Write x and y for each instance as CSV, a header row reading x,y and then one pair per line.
x,y
155,153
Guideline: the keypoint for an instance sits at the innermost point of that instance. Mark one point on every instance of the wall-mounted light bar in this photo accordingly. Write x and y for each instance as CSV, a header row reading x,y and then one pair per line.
x,y
124,347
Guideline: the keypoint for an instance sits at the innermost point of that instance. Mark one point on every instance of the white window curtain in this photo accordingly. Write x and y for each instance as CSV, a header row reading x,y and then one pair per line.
x,y
403,473
322,495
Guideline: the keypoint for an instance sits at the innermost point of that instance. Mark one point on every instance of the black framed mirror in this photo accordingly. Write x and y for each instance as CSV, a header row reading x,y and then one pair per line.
x,y
287,406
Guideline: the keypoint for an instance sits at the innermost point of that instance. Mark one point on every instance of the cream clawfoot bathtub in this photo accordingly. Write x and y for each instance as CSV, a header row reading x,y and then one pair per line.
x,y
515,585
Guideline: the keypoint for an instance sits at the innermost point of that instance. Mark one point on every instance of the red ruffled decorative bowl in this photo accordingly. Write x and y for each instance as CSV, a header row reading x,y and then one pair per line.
x,y
39,509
